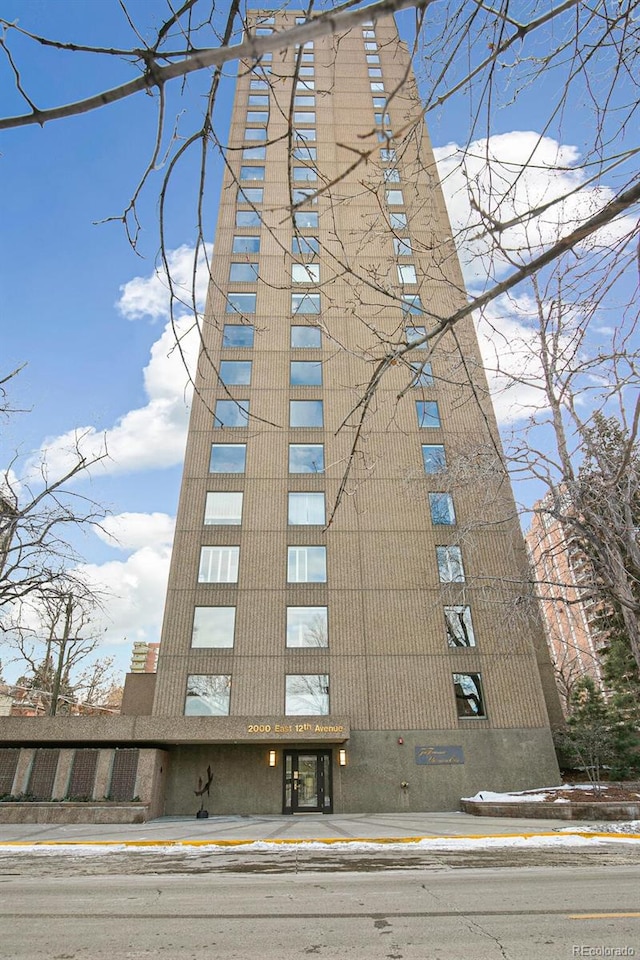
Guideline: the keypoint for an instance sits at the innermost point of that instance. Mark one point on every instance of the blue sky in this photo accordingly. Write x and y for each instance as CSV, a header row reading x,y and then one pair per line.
x,y
84,312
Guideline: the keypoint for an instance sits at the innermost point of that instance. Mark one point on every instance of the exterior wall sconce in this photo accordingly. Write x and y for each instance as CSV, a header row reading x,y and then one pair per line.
x,y
342,758
272,758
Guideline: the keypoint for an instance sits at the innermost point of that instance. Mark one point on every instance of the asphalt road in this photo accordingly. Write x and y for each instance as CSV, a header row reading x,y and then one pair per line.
x,y
133,906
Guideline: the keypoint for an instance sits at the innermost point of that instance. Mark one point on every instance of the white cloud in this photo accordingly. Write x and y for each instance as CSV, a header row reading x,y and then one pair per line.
x,y
149,296
506,176
130,531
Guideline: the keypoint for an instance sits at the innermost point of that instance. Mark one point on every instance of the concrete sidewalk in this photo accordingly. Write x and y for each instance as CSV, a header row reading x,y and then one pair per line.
x,y
223,830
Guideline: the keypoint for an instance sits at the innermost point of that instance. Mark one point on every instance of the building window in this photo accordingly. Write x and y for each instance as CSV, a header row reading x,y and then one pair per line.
x,y
234,372
433,457
246,245
248,218
305,303
450,569
379,103
402,248
223,508
372,58
398,221
305,337
441,507
306,565
391,176
304,135
428,414
422,374
394,198
459,626
304,153
255,133
304,71
243,272
307,627
237,335
306,509
305,219
302,196
241,303
228,458
263,31
250,195
258,85
468,692
213,627
303,117
301,100
305,373
304,173
307,695
412,334
368,33
207,695
218,565
411,304
307,57
406,273
377,86
301,246
388,155
254,153
305,273
306,458
252,173
258,100
371,45
375,72
231,413
258,116
383,120
305,413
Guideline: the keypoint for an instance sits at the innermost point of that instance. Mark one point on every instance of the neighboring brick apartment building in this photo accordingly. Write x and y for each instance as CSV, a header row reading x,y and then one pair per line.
x,y
375,663
570,612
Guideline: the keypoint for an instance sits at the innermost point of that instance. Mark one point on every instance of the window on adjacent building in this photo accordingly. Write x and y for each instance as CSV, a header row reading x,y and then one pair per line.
x,y
301,196
368,33
248,218
218,565
235,372
307,627
305,303
433,457
423,374
305,135
450,569
307,58
258,100
412,334
307,565
302,85
468,693
304,174
237,335
246,245
258,116
213,627
254,153
305,337
391,176
302,117
231,413
388,155
304,71
459,627
301,100
398,221
228,458
223,508
305,413
375,72
394,198
252,173
411,303
428,414
255,133
306,509
305,373
371,45
307,695
207,695
243,272
306,458
263,31
373,58
402,247
305,245
407,273
305,273
250,195
382,119
304,152
377,86
441,507
241,303
305,219
258,85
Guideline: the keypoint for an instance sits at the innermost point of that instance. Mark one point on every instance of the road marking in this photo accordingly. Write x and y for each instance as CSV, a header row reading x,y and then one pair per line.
x,y
600,916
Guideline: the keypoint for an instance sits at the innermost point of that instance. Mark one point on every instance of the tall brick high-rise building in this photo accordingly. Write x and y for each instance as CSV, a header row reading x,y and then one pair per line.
x,y
380,662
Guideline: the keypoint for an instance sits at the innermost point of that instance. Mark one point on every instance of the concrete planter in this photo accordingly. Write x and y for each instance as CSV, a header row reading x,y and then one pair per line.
x,y
70,812
585,810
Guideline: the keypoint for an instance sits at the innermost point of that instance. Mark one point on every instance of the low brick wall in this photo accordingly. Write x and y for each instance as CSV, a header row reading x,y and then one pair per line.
x,y
553,811
69,812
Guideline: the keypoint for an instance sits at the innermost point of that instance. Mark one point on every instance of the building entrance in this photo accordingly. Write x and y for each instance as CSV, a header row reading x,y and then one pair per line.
x,y
307,781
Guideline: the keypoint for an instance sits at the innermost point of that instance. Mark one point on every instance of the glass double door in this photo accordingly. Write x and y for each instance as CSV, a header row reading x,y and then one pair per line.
x,y
307,781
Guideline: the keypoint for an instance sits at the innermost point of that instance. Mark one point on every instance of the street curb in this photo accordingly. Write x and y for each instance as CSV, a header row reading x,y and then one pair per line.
x,y
328,841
